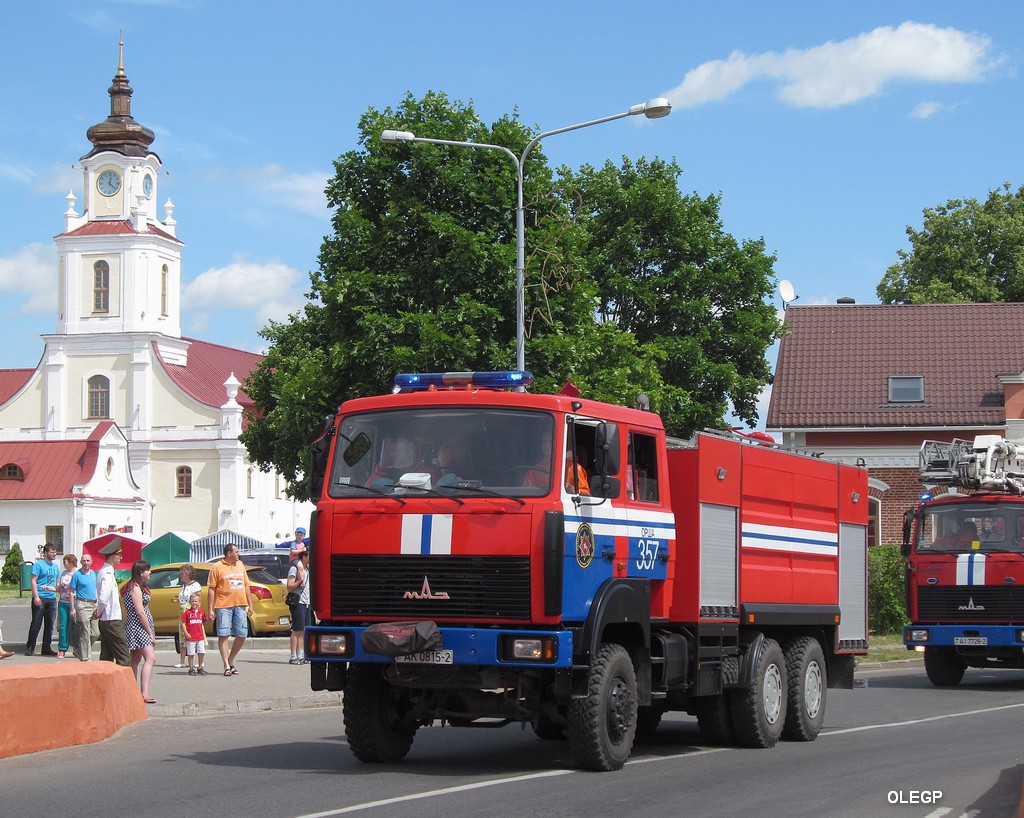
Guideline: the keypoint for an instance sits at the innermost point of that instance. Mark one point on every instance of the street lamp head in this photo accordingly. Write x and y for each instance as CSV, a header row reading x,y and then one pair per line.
x,y
652,109
396,137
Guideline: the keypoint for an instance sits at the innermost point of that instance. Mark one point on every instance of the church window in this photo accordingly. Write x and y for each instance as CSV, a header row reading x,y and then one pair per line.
x,y
163,290
12,471
184,481
101,287
99,397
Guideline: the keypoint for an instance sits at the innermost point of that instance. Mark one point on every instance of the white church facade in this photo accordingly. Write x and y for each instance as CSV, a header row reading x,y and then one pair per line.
x,y
125,424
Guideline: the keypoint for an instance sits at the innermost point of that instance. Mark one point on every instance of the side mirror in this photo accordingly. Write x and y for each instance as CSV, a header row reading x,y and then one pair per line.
x,y
601,485
908,527
319,447
606,456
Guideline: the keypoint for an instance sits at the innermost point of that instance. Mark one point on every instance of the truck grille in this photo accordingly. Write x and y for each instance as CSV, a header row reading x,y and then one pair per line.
x,y
398,586
970,603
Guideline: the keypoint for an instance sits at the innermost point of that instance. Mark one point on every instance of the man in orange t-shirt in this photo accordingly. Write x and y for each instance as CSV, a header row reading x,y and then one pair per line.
x,y
229,602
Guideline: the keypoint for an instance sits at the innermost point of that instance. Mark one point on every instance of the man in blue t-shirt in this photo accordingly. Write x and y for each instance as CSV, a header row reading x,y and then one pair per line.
x,y
83,608
45,574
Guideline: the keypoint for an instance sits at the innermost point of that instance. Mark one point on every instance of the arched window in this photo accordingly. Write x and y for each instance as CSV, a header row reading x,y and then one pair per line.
x,y
99,397
12,471
874,515
183,476
101,287
163,290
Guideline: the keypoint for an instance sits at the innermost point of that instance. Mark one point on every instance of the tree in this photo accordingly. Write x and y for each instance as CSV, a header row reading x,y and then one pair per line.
x,y
418,275
11,574
966,251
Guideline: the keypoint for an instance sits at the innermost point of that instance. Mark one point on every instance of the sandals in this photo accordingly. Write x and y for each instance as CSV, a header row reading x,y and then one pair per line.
x,y
227,671
230,670
148,700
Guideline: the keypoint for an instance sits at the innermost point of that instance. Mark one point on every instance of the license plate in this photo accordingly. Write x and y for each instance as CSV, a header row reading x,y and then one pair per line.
x,y
970,640
429,657
284,620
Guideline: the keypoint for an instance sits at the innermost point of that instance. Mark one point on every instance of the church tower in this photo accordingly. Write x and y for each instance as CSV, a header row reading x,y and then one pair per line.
x,y
119,266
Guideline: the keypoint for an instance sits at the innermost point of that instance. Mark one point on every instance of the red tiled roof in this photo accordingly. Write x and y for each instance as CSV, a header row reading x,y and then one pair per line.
x,y
118,227
835,362
11,380
51,467
209,365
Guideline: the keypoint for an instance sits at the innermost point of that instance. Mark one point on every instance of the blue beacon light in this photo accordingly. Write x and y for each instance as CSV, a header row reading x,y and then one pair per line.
x,y
452,380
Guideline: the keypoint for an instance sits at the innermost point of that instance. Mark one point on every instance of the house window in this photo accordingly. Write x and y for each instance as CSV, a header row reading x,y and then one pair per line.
x,y
99,397
163,290
92,530
874,509
183,476
55,536
906,389
5,538
101,287
12,471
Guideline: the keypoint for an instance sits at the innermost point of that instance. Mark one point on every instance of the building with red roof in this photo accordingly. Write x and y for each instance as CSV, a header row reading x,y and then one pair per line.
x,y
868,383
126,425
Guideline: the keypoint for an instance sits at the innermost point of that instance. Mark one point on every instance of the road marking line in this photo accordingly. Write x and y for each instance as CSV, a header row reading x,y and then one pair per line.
x,y
919,721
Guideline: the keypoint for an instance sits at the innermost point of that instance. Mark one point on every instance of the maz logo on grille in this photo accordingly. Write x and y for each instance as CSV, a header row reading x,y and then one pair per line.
x,y
970,606
425,592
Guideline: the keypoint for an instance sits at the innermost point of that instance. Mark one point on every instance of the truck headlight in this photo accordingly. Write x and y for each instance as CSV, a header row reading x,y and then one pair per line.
x,y
919,635
335,644
537,648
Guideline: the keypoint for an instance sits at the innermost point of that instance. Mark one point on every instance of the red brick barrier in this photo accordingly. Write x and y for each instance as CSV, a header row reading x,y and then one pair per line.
x,y
46,706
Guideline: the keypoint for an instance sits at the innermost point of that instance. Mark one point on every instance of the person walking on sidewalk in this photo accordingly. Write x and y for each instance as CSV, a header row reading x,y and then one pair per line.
x,y
193,620
83,606
139,630
45,575
113,647
65,621
298,588
229,603
189,586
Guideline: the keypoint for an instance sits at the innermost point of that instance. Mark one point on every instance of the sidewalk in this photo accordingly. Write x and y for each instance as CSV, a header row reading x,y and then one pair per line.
x,y
265,680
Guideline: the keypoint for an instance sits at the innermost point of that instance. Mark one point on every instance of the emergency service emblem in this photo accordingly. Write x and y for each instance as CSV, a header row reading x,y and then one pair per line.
x,y
584,545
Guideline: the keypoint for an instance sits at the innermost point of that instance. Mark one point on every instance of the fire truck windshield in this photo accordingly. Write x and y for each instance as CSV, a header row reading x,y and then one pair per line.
x,y
471,452
967,527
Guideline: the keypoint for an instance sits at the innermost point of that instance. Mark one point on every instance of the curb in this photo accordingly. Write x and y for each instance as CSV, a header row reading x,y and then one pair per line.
x,y
223,708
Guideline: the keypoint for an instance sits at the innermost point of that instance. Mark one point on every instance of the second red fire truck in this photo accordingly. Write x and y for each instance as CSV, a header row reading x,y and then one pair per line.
x,y
483,556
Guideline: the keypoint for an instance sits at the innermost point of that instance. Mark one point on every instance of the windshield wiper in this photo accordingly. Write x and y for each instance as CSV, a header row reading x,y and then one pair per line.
x,y
432,492
488,492
372,490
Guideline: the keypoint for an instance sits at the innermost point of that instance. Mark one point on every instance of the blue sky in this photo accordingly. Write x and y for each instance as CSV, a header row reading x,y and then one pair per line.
x,y
825,127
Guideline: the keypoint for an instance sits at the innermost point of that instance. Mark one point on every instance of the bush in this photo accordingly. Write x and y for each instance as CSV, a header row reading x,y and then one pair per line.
x,y
11,574
887,609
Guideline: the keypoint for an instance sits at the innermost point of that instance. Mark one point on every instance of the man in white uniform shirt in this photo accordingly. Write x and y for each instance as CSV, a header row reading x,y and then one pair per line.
x,y
113,647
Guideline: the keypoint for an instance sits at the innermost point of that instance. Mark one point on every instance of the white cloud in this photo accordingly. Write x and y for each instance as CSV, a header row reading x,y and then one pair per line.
x,y
30,274
303,192
269,290
924,110
840,73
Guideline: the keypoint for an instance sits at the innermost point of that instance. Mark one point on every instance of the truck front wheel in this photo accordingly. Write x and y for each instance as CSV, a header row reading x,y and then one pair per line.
x,y
759,712
602,726
374,713
943,666
808,680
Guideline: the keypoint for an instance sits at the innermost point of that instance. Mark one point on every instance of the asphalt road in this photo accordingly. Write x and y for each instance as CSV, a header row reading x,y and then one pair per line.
x,y
885,743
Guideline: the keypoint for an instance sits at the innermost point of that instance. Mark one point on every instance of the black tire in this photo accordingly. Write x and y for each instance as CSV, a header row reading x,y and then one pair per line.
x,y
943,666
372,710
647,720
177,643
759,712
602,726
808,681
714,720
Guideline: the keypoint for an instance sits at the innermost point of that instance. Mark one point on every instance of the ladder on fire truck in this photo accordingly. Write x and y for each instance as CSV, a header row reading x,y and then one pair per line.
x,y
988,463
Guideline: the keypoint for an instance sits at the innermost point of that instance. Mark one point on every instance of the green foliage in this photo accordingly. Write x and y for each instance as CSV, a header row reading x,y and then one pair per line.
x,y
887,609
11,574
966,251
630,286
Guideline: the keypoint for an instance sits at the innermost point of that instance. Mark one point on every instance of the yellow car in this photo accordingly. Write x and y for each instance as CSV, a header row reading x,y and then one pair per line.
x,y
269,613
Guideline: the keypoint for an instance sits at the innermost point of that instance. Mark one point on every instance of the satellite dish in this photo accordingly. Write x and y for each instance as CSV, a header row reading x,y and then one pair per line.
x,y
786,291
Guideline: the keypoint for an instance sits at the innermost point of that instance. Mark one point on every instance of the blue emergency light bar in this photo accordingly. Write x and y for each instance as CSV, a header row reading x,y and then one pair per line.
x,y
454,380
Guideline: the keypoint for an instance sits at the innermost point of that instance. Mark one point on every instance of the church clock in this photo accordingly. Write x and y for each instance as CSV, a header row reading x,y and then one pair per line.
x,y
108,183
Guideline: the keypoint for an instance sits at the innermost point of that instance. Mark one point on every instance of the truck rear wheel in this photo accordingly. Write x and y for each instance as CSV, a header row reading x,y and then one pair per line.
x,y
373,711
943,666
759,712
808,681
602,726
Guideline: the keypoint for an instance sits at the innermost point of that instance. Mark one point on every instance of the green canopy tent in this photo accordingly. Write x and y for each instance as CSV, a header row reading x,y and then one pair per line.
x,y
166,548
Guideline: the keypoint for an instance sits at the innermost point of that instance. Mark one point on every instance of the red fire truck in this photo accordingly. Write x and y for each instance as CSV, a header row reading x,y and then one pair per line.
x,y
965,559
482,556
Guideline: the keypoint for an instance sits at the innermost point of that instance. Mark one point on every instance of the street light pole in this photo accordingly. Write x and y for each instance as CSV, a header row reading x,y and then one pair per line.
x,y
652,109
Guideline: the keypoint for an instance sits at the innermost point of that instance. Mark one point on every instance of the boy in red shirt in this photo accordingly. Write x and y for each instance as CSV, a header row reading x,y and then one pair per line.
x,y
193,620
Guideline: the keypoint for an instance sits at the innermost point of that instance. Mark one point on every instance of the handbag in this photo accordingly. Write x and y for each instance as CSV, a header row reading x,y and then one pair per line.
x,y
291,599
